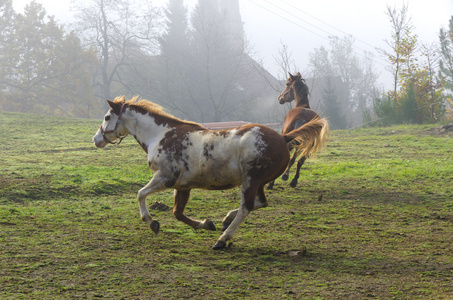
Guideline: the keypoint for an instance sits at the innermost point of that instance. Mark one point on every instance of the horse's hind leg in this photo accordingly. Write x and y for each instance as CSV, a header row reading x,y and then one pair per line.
x,y
285,175
231,215
260,201
296,176
241,213
270,186
252,199
181,199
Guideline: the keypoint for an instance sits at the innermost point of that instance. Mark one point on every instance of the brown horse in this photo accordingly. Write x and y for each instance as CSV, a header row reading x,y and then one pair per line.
x,y
184,155
297,90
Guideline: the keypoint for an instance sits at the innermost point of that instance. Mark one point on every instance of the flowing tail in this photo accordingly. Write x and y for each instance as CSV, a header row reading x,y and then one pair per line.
x,y
310,137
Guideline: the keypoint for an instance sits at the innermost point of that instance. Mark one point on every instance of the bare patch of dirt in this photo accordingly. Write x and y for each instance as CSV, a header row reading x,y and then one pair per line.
x,y
441,130
159,206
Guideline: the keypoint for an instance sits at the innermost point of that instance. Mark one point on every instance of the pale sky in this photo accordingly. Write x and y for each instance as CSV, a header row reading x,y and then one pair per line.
x,y
306,25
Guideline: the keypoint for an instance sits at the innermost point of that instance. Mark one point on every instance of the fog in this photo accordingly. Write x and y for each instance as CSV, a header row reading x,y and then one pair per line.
x,y
305,25
227,60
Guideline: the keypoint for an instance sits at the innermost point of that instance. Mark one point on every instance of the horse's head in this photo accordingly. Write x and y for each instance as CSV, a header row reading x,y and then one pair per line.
x,y
288,93
112,129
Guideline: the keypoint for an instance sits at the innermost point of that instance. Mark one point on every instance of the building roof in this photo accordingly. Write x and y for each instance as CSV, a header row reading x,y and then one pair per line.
x,y
233,124
224,125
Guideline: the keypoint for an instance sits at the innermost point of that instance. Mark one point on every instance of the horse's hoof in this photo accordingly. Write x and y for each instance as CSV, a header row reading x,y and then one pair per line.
x,y
225,225
285,177
210,225
293,183
219,245
155,226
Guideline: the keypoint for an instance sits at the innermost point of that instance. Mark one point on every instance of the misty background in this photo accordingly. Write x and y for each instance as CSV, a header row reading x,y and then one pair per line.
x,y
195,59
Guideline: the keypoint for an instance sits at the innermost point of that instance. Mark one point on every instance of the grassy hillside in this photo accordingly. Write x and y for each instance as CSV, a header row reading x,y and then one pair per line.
x,y
70,224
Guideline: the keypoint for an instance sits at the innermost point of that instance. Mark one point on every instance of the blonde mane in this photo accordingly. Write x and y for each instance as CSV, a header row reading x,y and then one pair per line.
x,y
149,106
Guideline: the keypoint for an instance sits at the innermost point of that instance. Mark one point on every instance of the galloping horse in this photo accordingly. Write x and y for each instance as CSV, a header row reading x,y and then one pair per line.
x,y
184,155
297,90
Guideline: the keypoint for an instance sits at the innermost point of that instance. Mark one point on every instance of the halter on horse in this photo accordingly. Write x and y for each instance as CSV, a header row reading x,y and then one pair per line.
x,y
297,90
184,155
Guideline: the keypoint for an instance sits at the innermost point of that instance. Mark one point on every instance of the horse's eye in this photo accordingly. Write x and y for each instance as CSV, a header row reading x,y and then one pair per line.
x,y
107,118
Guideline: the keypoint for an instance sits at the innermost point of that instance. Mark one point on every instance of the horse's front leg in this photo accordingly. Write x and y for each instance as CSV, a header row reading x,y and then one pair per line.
x,y
181,199
156,184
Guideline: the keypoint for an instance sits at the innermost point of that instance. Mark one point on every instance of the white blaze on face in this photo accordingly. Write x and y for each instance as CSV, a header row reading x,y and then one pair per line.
x,y
98,140
109,118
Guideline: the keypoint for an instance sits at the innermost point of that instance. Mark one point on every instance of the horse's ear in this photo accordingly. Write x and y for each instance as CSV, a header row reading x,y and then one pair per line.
x,y
114,106
291,76
298,75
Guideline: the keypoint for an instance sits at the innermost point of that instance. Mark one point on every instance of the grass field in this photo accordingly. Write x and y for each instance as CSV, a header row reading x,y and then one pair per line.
x,y
70,224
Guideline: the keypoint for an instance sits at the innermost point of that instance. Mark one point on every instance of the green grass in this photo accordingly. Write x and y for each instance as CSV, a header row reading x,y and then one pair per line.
x,y
70,224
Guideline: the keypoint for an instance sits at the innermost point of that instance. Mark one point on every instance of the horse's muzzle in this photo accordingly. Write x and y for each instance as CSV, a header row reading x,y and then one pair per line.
x,y
98,140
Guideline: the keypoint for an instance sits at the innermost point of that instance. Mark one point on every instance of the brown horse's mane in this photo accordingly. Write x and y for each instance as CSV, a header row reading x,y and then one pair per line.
x,y
150,107
301,89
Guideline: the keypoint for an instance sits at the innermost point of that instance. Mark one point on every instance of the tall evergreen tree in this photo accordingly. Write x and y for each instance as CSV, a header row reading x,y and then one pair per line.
x,y
203,81
219,64
358,79
446,61
174,42
331,106
175,58
6,26
409,106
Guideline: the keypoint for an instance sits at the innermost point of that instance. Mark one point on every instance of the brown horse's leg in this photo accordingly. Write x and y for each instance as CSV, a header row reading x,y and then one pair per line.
x,y
285,175
296,176
270,186
181,199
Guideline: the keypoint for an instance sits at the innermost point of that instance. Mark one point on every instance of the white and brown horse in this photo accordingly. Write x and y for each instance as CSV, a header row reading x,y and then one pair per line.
x,y
184,155
296,90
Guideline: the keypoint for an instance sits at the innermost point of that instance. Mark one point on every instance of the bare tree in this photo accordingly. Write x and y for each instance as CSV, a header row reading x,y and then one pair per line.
x,y
446,50
401,24
7,15
117,31
284,60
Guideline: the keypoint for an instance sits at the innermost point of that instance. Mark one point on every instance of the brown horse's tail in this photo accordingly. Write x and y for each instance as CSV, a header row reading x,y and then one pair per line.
x,y
310,137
